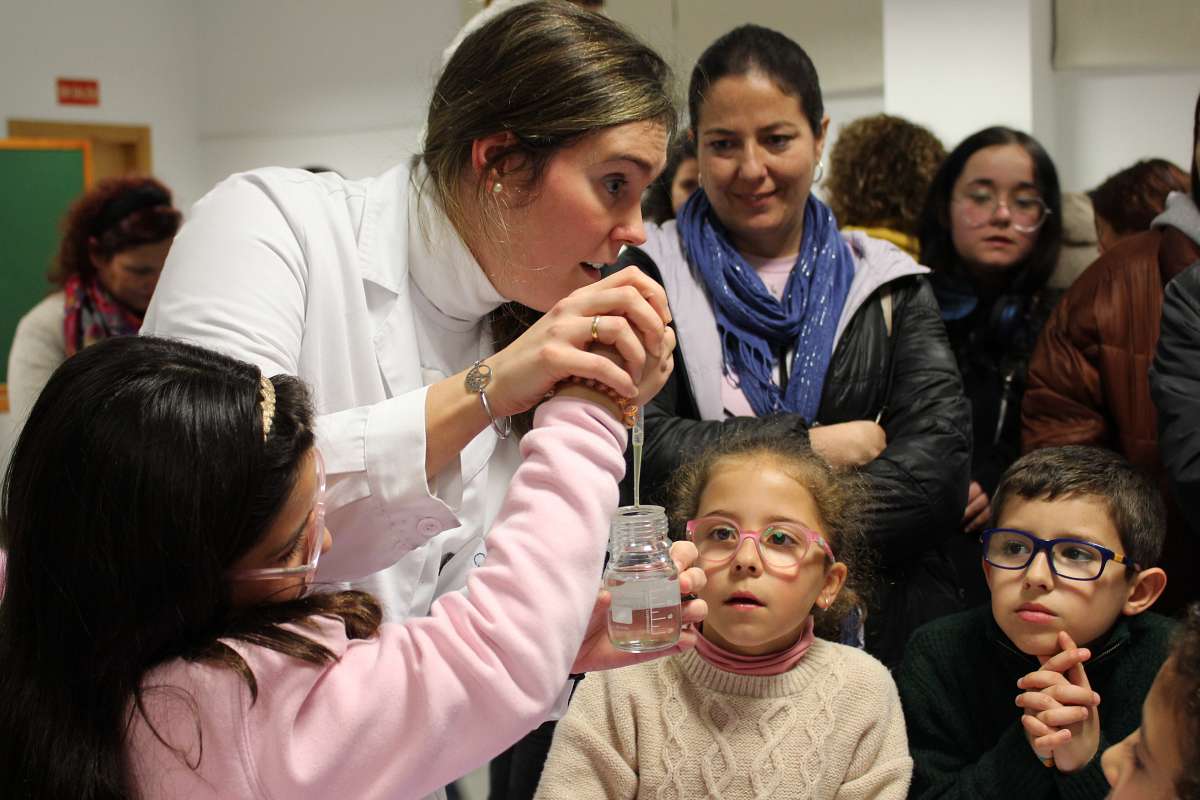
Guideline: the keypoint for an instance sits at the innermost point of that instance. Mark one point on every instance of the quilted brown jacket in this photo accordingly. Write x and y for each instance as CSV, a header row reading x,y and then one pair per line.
x,y
1089,375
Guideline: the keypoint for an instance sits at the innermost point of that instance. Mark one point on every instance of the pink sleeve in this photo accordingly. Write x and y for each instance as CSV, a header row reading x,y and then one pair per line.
x,y
433,698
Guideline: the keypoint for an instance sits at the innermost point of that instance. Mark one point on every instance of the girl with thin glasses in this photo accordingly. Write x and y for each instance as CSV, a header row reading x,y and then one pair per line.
x,y
991,230
159,636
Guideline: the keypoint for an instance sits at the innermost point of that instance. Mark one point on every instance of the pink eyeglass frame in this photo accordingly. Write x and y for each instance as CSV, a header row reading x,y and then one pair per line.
x,y
756,536
315,533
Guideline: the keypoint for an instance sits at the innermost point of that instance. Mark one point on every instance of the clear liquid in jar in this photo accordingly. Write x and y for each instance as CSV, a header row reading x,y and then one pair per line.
x,y
645,613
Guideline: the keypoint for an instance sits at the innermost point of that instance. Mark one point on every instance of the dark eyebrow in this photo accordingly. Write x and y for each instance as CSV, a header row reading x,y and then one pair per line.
x,y
727,132
992,183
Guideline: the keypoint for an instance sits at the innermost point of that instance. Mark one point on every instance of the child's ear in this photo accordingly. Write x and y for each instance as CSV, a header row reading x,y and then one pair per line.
x,y
835,579
1144,590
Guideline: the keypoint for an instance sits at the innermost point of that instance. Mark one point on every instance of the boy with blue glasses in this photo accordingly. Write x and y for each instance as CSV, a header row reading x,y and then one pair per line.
x,y
1020,699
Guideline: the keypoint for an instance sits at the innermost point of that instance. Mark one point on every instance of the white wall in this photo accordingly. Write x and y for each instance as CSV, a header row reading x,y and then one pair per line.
x,y
957,66
145,58
227,86
1108,120
293,82
355,153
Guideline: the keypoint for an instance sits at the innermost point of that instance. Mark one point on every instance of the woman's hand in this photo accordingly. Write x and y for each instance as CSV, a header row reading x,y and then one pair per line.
x,y
630,314
848,444
597,652
631,353
978,510
654,375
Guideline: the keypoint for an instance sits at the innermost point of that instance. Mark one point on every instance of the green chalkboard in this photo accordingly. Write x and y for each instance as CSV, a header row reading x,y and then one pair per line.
x,y
38,181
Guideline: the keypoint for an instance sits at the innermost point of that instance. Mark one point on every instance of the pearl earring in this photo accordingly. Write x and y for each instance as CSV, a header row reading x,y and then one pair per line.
x,y
497,187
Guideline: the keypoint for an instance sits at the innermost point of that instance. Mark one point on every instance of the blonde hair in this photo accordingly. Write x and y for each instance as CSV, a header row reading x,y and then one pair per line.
x,y
548,73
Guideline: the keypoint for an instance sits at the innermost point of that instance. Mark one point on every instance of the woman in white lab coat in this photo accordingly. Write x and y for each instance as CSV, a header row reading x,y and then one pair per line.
x,y
543,131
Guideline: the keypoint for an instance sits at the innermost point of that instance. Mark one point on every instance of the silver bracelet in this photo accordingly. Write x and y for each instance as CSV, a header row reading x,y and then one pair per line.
x,y
478,378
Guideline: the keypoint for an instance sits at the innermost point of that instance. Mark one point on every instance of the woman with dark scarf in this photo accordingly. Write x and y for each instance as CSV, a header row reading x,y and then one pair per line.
x,y
115,240
991,231
783,321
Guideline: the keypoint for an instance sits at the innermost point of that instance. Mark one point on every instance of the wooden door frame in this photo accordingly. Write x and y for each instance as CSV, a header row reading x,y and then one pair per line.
x,y
41,143
136,135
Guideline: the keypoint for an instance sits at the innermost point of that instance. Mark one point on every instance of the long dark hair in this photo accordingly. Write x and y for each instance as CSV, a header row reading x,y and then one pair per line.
x,y
139,478
656,203
937,244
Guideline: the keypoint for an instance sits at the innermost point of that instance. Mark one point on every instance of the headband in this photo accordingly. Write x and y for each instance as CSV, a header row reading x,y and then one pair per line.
x,y
144,196
267,404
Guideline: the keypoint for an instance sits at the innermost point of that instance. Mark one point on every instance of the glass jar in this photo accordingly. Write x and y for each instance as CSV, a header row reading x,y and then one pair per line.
x,y
645,613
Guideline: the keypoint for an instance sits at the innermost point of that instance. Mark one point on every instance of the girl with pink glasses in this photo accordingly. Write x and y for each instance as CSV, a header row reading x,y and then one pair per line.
x,y
765,705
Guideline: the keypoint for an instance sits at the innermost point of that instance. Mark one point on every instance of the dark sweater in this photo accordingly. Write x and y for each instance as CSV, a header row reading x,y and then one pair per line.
x,y
958,685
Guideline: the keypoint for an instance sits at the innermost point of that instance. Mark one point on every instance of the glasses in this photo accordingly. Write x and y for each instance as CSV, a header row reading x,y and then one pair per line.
x,y
980,203
314,536
1074,559
782,545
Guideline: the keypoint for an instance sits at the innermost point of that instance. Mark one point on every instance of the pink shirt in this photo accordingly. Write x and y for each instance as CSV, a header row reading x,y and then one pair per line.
x,y
774,273
425,701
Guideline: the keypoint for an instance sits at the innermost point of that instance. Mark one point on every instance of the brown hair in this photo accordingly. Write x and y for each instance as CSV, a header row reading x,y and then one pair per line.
x,y
840,497
880,171
116,215
1130,200
1185,686
656,204
548,73
1135,506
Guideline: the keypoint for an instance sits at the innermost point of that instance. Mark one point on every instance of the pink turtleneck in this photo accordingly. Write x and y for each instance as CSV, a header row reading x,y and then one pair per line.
x,y
775,663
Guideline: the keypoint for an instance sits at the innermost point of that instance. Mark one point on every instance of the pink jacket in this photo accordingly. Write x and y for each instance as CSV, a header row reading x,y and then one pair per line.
x,y
426,701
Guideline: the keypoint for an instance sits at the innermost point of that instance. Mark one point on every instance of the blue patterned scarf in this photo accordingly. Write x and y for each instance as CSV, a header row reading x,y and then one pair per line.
x,y
753,325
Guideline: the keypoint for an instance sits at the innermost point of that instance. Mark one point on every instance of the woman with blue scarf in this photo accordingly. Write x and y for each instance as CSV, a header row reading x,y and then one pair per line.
x,y
783,321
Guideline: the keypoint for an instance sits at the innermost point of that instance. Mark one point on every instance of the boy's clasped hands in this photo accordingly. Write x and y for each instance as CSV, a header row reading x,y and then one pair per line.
x,y
1061,719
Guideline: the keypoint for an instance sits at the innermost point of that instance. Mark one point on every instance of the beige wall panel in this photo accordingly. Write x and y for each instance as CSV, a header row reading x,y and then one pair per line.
x,y
1122,34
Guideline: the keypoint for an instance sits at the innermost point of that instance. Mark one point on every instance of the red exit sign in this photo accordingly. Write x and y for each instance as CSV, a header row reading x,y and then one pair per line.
x,y
78,92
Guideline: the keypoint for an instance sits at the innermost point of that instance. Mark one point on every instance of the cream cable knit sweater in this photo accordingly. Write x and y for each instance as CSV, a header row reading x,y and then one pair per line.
x,y
680,728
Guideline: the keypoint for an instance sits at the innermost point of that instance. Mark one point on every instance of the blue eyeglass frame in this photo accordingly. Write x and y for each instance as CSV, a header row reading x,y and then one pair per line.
x,y
1047,545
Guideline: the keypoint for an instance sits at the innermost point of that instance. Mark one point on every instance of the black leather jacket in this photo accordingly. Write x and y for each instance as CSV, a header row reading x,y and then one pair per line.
x,y
1175,387
917,486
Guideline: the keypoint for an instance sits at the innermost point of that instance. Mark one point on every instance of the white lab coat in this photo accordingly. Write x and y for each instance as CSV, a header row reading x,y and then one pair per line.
x,y
347,285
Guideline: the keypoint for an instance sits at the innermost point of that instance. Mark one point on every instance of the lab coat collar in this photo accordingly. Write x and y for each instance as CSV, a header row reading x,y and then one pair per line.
x,y
442,267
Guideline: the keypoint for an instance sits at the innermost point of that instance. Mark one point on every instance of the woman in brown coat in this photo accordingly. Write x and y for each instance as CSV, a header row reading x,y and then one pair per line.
x,y
1088,379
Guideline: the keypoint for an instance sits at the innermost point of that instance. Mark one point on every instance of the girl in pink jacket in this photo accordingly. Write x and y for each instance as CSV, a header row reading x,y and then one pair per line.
x,y
159,636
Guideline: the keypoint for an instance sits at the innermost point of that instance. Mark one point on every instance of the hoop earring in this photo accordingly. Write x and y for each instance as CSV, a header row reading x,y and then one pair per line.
x,y
819,173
